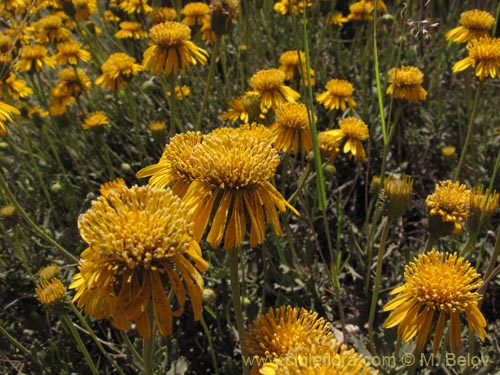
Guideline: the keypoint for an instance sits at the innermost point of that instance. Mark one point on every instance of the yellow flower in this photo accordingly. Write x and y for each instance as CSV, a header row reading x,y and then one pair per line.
x,y
292,63
328,144
269,85
475,24
337,19
131,30
7,211
297,6
50,293
406,84
480,206
484,57
196,13
207,34
450,202
352,131
244,108
175,167
441,284
73,82
109,16
61,99
70,52
361,11
163,14
180,91
291,130
117,71
157,126
232,168
33,58
6,111
50,29
338,95
140,245
48,272
84,8
16,87
94,120
172,48
319,355
135,6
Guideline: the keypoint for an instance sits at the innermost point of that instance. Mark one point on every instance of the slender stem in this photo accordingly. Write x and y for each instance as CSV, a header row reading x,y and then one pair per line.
x,y
208,86
91,333
210,345
376,285
66,320
107,158
470,131
35,228
130,346
492,271
21,347
235,294
377,79
147,355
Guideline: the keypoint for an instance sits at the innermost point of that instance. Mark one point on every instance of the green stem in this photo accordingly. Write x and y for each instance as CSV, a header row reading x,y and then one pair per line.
x,y
107,158
377,80
147,355
130,346
35,228
210,344
21,347
470,131
208,86
236,298
492,271
66,320
376,285
91,333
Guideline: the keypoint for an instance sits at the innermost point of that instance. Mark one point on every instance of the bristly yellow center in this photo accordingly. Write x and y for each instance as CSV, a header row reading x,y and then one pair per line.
x,y
354,128
476,19
339,87
169,34
267,80
406,76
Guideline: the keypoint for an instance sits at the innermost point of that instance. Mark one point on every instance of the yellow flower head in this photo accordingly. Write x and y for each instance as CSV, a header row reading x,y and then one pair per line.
x,y
450,202
196,13
50,29
33,58
361,11
172,49
207,33
269,84
319,355
7,211
135,6
328,144
175,166
406,84
48,272
232,168
180,91
441,285
50,292
352,131
6,111
338,95
291,130
245,108
141,248
291,62
73,82
163,14
84,8
115,185
157,126
132,30
95,119
71,52
475,24
337,19
276,332
483,205
61,99
117,71
16,87
484,57
297,6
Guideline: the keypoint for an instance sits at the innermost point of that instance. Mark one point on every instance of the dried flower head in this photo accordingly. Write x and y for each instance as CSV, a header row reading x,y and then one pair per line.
x,y
441,285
